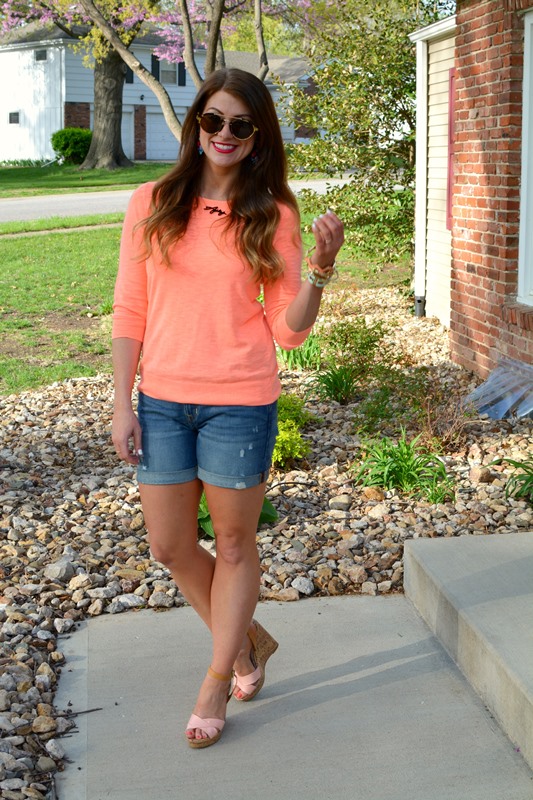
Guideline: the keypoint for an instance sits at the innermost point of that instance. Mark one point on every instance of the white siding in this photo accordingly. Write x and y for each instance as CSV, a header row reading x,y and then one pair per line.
x,y
33,89
438,243
161,145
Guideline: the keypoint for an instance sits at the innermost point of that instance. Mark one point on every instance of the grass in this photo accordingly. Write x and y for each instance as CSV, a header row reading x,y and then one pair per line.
x,y
55,179
59,223
56,290
52,297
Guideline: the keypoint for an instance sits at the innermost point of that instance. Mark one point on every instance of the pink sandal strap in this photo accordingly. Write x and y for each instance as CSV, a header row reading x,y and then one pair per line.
x,y
210,726
246,682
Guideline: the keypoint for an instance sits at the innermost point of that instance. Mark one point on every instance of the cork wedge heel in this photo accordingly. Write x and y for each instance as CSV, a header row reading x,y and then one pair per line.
x,y
263,646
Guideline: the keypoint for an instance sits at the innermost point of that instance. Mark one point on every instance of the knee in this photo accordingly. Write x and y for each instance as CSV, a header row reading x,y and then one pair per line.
x,y
235,549
169,553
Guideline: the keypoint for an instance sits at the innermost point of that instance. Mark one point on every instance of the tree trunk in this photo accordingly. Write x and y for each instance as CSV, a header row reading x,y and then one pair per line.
x,y
106,150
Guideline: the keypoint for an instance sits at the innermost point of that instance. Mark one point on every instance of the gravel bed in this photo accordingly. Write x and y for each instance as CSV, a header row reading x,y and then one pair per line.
x,y
73,543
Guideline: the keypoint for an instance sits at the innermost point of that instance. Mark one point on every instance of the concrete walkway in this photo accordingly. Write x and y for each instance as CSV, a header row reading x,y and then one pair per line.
x,y
104,202
361,701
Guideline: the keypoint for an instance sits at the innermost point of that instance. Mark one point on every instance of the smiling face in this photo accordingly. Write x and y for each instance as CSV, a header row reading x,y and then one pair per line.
x,y
223,152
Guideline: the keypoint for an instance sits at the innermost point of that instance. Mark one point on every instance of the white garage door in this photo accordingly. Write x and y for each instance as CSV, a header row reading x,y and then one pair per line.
x,y
161,145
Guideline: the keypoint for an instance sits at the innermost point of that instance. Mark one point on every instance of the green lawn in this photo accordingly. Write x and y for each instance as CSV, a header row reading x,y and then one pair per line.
x,y
55,179
56,289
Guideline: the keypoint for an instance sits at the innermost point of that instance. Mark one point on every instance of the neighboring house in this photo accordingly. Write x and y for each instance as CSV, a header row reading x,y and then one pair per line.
x,y
474,181
45,87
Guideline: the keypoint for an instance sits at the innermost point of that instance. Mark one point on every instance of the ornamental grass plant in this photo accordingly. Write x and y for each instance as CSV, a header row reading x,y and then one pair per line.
x,y
406,466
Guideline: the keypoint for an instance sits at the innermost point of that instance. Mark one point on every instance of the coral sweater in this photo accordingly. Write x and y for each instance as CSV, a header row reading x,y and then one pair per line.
x,y
206,338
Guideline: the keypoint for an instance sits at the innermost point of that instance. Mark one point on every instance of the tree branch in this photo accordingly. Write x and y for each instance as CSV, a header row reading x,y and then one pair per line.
x,y
259,38
145,76
188,51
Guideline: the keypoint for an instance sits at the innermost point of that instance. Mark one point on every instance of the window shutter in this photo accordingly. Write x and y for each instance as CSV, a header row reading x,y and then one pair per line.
x,y
182,75
155,67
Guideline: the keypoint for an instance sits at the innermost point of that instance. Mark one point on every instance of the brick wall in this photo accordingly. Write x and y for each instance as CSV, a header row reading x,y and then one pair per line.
x,y
139,122
77,115
486,321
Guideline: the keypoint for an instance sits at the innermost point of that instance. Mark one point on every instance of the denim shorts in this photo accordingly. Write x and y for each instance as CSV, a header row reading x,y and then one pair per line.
x,y
226,446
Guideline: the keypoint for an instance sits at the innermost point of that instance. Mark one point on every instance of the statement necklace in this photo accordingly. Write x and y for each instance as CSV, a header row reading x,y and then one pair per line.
x,y
215,210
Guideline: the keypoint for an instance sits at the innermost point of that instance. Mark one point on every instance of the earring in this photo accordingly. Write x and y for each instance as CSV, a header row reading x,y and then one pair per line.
x,y
200,148
254,157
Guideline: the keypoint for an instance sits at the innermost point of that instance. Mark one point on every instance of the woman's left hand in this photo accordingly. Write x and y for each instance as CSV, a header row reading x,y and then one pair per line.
x,y
328,231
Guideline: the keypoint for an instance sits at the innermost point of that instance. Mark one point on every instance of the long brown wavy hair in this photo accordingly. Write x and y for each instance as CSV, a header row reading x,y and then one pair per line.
x,y
260,185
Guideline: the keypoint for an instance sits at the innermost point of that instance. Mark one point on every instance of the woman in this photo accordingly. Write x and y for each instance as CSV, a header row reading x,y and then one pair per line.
x,y
198,247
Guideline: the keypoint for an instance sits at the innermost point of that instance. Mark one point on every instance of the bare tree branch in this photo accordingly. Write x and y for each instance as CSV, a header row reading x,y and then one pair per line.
x,y
188,51
261,48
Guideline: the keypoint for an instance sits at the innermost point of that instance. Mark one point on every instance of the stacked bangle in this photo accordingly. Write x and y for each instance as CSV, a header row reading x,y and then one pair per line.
x,y
320,276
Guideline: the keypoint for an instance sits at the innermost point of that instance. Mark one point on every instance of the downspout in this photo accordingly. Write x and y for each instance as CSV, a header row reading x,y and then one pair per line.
x,y
421,177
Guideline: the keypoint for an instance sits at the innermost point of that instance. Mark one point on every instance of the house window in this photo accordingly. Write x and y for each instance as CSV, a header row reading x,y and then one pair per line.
x,y
41,55
525,255
168,72
14,117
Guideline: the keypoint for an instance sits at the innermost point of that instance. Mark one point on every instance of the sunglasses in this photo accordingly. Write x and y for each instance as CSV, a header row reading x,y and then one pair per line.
x,y
241,129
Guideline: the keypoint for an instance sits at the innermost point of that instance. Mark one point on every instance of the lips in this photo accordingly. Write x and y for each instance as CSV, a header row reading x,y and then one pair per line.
x,y
220,147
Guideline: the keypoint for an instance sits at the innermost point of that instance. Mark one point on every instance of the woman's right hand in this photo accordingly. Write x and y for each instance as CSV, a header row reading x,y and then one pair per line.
x,y
126,435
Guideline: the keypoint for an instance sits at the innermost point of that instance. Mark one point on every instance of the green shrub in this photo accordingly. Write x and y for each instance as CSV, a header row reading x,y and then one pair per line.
x,y
289,444
359,344
291,407
405,466
378,221
72,144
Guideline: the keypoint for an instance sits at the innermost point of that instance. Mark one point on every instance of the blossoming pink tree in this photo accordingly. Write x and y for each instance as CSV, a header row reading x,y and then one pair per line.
x,y
106,29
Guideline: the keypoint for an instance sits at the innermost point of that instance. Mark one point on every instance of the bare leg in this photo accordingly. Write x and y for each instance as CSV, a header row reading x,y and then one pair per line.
x,y
235,587
224,591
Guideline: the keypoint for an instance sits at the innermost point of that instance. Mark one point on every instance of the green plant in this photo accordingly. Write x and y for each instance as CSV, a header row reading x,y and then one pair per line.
x,y
71,144
307,356
357,343
520,483
289,444
268,515
291,407
406,466
340,383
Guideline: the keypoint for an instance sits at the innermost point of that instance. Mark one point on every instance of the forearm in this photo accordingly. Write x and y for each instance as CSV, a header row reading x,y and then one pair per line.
x,y
126,354
329,236
303,310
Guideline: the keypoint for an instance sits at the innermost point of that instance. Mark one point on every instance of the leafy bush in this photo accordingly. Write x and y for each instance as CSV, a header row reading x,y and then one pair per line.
x,y
268,514
72,144
379,222
291,407
289,444
417,400
405,466
359,344
354,351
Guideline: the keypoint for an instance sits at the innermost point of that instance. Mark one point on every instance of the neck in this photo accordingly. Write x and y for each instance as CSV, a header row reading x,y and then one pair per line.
x,y
216,186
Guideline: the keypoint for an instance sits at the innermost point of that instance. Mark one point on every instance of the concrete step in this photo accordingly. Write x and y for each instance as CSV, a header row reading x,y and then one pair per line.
x,y
476,595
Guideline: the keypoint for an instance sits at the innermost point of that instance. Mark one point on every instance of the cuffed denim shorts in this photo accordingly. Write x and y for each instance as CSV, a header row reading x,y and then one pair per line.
x,y
226,446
